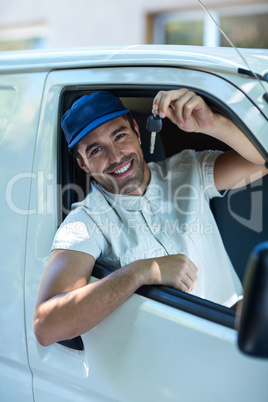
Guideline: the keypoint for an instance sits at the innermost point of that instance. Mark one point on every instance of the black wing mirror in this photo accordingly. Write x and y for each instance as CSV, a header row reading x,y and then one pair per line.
x,y
252,314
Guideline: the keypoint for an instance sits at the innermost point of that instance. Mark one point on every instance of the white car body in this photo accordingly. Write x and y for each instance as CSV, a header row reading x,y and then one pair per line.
x,y
146,350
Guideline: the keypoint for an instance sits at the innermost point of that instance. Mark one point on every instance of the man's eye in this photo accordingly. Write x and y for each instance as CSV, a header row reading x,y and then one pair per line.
x,y
119,136
95,151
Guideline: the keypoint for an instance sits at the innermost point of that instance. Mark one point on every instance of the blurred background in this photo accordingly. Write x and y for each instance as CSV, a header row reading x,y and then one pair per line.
x,y
36,24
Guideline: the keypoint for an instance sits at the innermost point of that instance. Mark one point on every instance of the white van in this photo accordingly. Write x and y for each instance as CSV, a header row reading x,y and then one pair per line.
x,y
161,345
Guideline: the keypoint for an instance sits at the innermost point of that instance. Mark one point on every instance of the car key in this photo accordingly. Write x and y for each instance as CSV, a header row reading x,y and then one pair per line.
x,y
154,125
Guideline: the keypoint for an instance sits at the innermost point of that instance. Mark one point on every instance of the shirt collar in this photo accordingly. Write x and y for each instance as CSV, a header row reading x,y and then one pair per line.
x,y
132,202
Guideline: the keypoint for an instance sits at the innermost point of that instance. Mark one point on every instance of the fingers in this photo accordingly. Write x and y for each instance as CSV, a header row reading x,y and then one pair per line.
x,y
188,275
166,99
178,105
177,271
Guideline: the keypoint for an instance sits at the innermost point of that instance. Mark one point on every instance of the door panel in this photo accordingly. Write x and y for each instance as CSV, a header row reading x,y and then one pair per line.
x,y
20,98
148,351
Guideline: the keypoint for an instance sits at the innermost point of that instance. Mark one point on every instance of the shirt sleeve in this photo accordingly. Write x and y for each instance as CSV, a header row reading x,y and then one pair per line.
x,y
79,232
206,162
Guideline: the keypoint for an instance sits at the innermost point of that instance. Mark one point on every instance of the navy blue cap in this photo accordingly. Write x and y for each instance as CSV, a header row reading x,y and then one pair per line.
x,y
88,113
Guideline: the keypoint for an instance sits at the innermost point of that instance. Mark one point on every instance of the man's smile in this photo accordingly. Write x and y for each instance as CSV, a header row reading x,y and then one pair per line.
x,y
123,170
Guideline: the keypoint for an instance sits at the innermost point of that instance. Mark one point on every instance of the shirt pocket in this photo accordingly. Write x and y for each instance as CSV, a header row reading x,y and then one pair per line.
x,y
132,255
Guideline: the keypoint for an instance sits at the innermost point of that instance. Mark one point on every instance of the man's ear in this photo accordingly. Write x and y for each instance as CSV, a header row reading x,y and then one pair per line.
x,y
82,165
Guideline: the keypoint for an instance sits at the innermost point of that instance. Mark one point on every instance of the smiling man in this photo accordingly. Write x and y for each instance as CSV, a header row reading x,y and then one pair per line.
x,y
146,220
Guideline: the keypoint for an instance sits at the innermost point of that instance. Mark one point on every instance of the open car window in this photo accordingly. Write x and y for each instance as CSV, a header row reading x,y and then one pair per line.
x,y
237,214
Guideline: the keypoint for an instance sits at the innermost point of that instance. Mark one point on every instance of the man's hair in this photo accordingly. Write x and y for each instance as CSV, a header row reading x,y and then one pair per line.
x,y
128,117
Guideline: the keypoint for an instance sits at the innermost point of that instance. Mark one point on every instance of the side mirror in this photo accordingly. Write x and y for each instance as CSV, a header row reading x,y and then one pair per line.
x,y
252,316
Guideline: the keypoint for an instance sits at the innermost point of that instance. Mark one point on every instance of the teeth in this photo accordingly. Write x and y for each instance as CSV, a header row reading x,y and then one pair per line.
x,y
124,169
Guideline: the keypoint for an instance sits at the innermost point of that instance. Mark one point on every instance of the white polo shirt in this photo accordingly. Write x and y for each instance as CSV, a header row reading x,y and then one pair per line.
x,y
172,217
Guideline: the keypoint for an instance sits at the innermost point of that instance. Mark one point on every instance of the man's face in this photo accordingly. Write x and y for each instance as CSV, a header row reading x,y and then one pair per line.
x,y
113,156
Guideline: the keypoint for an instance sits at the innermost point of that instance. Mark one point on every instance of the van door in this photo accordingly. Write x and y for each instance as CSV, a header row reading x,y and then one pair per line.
x,y
146,350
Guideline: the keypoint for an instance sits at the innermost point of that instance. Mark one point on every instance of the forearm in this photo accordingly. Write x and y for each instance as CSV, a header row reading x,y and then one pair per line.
x,y
226,131
65,316
76,312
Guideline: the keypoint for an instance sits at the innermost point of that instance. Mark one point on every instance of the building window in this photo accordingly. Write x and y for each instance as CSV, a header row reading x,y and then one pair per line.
x,y
23,37
249,31
184,32
246,26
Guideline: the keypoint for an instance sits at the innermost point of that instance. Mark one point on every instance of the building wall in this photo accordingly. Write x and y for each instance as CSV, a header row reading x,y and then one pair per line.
x,y
66,23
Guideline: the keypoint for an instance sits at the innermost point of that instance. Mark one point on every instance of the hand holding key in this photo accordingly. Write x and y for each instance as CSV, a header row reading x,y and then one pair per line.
x,y
154,125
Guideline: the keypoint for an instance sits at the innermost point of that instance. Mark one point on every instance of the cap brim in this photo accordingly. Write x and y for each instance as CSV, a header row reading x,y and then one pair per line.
x,y
95,124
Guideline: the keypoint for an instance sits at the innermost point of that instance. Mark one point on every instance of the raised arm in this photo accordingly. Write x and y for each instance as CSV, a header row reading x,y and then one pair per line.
x,y
190,113
68,305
